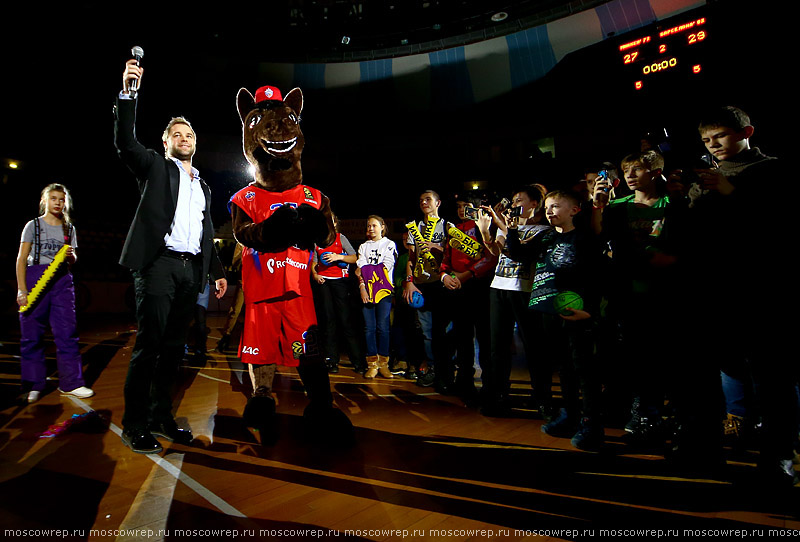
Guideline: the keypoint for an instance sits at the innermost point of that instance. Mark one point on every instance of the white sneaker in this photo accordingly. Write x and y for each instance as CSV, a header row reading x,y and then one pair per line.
x,y
33,396
81,393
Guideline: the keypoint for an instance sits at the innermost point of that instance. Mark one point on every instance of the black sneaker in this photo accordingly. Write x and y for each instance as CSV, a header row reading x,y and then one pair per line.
x,y
141,442
564,426
645,432
399,368
426,380
636,415
589,437
332,365
547,411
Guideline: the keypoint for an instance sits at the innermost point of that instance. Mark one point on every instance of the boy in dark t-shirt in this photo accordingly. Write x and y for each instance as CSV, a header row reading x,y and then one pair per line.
x,y
566,259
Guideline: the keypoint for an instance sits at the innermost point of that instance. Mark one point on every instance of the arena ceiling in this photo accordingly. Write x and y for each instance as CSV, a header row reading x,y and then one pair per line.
x,y
357,30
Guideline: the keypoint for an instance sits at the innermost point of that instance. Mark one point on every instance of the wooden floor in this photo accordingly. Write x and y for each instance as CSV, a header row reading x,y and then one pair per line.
x,y
423,467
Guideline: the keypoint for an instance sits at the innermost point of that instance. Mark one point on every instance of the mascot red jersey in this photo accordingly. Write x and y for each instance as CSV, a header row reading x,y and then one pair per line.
x,y
279,220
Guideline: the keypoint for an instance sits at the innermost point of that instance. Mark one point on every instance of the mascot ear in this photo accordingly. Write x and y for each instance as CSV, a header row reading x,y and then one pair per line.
x,y
295,100
244,103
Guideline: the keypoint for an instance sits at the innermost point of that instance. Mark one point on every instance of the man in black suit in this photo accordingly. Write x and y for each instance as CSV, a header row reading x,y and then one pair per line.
x,y
170,251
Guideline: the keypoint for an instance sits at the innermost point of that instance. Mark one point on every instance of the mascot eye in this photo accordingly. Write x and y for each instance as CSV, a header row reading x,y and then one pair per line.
x,y
294,118
254,120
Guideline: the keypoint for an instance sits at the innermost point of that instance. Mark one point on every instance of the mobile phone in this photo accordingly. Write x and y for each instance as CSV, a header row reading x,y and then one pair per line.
x,y
611,178
471,212
505,203
515,212
707,161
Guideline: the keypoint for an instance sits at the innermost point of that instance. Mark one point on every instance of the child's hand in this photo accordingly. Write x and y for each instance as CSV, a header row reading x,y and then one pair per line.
x,y
484,220
576,315
331,257
512,222
451,283
408,291
496,213
601,190
713,179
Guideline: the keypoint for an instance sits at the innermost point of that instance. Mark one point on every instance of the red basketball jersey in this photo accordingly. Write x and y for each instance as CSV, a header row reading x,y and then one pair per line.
x,y
331,271
275,275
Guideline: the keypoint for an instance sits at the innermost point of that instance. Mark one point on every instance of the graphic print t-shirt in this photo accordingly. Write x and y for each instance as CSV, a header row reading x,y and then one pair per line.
x,y
51,239
510,274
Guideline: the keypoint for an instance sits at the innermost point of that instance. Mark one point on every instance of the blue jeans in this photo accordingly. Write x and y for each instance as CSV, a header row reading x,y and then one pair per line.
x,y
738,390
377,326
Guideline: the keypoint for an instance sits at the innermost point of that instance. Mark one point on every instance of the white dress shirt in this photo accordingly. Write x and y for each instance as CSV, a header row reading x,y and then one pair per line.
x,y
186,231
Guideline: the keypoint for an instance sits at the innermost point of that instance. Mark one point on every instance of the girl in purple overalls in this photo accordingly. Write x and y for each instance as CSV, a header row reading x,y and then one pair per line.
x,y
41,240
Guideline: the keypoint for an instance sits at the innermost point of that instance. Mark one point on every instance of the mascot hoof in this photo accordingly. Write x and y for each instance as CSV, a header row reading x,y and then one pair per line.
x,y
328,424
259,413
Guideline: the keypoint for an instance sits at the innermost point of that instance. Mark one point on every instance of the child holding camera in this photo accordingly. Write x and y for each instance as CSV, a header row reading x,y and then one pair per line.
x,y
509,293
465,271
636,229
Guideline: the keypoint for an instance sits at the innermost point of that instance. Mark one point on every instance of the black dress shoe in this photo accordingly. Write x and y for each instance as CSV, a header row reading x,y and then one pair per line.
x,y
170,431
141,442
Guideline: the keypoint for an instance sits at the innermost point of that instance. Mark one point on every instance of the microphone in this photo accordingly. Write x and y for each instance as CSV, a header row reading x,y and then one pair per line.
x,y
137,53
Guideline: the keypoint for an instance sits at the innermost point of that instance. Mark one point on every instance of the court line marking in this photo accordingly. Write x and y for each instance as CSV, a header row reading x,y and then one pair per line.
x,y
190,482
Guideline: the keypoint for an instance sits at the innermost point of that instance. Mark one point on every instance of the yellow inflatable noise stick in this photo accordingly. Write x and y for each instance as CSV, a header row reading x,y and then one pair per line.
x,y
419,241
46,277
425,256
430,227
464,243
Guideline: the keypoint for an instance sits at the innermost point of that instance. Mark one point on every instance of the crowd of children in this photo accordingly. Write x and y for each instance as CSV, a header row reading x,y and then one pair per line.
x,y
645,295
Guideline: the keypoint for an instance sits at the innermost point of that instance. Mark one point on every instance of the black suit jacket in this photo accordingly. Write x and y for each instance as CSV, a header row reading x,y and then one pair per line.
x,y
159,178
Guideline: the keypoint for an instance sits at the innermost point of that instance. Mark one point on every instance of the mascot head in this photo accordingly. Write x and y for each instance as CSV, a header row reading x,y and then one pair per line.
x,y
271,136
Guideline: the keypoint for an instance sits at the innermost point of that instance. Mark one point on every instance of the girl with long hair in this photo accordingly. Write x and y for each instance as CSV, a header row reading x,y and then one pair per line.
x,y
42,239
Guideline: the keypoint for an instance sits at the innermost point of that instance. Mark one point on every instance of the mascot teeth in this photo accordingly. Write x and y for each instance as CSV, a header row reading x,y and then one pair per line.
x,y
278,147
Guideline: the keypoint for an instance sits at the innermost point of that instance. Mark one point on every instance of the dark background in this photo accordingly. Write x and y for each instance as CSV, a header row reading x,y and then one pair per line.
x,y
62,70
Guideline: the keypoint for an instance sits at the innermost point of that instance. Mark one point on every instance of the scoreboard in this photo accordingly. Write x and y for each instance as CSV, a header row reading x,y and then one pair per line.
x,y
665,53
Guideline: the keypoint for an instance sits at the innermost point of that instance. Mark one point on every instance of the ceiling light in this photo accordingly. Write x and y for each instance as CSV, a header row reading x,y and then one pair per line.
x,y
499,16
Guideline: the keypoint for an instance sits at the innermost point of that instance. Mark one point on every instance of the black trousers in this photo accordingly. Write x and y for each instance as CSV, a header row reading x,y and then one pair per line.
x,y
337,319
507,307
468,309
166,292
572,350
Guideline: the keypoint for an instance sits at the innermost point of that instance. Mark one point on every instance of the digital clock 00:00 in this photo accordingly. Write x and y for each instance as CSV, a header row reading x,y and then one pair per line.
x,y
660,66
